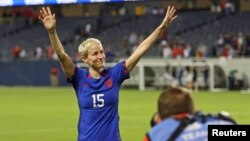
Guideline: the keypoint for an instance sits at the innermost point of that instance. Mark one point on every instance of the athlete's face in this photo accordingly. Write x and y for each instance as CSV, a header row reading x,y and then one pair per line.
x,y
95,57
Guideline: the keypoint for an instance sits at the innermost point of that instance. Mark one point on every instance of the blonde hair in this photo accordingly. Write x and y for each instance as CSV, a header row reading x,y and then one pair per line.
x,y
85,45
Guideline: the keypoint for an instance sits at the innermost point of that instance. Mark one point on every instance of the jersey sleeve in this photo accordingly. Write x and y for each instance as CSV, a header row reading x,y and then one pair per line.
x,y
120,72
77,77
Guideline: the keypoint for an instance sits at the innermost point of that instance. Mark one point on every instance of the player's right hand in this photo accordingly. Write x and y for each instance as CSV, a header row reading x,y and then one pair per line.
x,y
48,19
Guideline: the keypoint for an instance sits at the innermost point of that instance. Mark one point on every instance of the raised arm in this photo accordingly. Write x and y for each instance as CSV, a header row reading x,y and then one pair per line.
x,y
148,42
49,21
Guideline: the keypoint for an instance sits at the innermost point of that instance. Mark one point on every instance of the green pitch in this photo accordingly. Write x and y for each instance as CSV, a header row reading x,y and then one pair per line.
x,y
51,114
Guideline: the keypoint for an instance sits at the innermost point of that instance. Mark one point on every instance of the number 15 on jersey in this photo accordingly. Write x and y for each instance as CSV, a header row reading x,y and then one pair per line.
x,y
98,100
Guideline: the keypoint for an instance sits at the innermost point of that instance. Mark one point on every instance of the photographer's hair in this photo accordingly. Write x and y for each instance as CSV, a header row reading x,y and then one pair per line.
x,y
85,45
174,101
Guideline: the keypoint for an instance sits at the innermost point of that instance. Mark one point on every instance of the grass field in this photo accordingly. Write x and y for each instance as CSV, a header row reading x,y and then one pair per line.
x,y
51,114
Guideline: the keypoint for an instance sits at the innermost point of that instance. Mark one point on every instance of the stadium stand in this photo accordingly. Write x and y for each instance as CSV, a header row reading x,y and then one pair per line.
x,y
198,28
192,27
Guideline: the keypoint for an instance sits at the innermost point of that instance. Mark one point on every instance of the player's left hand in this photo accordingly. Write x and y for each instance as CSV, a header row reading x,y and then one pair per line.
x,y
170,16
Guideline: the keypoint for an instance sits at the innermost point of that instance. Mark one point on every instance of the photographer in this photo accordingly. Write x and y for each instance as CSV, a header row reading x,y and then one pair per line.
x,y
177,120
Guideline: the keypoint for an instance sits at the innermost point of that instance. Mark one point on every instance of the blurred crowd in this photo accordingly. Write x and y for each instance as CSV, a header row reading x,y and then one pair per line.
x,y
228,45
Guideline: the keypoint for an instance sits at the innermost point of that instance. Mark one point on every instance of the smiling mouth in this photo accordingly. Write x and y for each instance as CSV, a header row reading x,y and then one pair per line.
x,y
101,63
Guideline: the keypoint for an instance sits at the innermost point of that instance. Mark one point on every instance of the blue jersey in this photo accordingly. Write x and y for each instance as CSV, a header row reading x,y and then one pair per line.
x,y
197,130
98,103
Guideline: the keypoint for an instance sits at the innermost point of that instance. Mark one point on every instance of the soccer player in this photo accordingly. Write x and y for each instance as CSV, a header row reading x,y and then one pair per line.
x,y
176,119
97,88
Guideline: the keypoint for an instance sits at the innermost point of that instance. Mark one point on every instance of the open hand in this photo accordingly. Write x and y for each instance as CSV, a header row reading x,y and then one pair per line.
x,y
170,16
48,19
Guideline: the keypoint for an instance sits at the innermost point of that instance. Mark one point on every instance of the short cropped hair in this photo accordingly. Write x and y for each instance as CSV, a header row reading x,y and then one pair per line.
x,y
86,44
174,101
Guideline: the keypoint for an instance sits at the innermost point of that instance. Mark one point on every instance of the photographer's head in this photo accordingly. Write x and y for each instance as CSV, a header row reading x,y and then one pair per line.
x,y
173,101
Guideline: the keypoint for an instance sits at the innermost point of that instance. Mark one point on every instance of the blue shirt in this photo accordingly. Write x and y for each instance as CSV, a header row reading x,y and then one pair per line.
x,y
196,131
98,103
